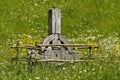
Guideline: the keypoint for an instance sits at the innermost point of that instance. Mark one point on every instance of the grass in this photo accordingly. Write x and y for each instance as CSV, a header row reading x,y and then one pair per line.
x,y
83,21
100,69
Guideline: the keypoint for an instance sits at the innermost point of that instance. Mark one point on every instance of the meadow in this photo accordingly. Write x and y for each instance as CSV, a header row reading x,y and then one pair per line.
x,y
83,21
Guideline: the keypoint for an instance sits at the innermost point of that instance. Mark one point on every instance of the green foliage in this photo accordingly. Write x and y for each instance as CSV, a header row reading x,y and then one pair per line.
x,y
83,21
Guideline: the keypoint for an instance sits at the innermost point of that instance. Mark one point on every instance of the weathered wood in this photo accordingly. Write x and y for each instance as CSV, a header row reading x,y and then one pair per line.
x,y
54,21
56,60
80,46
53,60
69,45
54,47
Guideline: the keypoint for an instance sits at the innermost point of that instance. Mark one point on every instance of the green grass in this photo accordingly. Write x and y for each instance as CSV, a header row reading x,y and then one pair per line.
x,y
100,69
83,21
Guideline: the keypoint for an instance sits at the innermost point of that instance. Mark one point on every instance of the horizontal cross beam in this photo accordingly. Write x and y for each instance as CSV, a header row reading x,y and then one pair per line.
x,y
56,60
68,45
81,46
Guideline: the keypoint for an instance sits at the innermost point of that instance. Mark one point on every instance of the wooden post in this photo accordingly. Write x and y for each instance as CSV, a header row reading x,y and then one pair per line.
x,y
90,51
54,21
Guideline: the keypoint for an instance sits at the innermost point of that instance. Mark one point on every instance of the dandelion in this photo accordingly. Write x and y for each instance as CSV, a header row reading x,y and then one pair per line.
x,y
117,47
76,48
24,35
89,42
21,43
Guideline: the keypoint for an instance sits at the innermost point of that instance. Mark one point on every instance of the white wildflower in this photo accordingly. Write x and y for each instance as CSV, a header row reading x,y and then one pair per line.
x,y
64,68
37,78
46,78
93,69
35,4
80,72
85,70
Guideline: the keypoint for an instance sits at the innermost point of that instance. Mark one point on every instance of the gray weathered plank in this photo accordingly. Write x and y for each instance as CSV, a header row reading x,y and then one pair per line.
x,y
54,21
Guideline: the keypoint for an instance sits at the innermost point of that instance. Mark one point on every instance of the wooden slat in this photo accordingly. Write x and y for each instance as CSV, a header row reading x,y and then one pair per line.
x,y
69,45
82,46
56,60
54,21
52,60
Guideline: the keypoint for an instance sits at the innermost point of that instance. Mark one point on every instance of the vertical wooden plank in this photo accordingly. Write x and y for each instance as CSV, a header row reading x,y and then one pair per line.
x,y
49,21
57,21
54,21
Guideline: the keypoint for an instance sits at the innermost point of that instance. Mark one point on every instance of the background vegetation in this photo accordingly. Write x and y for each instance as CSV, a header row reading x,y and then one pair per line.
x,y
83,21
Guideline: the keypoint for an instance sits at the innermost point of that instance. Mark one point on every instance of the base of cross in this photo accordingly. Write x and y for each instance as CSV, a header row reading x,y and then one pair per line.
x,y
55,54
